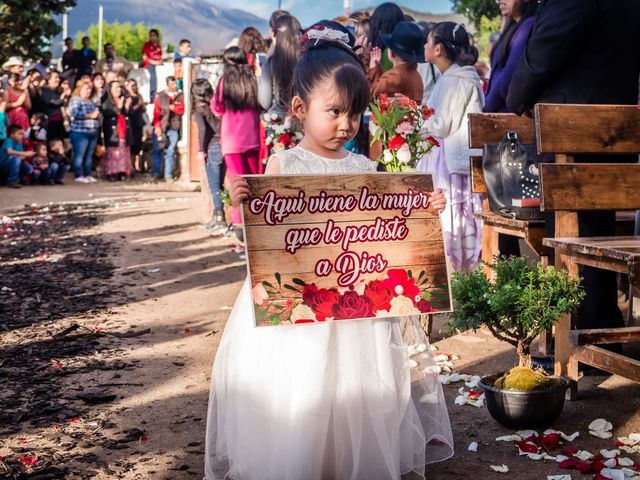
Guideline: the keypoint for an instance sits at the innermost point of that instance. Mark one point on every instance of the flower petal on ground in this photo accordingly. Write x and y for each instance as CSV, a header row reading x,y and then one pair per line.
x,y
626,462
509,438
473,447
500,468
558,477
610,453
600,434
612,474
583,455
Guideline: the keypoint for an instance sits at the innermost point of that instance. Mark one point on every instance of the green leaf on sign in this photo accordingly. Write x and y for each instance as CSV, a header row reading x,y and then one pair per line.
x,y
297,281
278,279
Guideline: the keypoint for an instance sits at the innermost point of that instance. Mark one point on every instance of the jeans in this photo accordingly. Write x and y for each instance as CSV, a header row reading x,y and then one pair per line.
x,y
245,163
214,167
169,151
156,155
57,172
10,169
84,145
153,82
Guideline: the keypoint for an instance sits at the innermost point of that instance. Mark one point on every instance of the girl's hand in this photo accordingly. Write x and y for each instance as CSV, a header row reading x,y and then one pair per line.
x,y
238,191
376,58
438,200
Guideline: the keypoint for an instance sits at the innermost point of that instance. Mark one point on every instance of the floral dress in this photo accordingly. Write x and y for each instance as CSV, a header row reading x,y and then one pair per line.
x,y
17,115
325,400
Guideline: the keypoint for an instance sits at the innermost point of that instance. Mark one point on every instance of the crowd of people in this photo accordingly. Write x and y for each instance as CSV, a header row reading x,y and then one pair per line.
x,y
87,116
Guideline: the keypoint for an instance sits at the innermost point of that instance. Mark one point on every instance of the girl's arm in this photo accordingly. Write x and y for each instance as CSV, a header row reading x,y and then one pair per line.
x,y
27,100
438,200
19,101
239,188
449,107
217,105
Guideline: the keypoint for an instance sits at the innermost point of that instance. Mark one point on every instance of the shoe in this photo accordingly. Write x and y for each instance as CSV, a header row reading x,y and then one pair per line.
x,y
90,179
59,182
14,185
122,177
240,251
230,232
82,180
217,226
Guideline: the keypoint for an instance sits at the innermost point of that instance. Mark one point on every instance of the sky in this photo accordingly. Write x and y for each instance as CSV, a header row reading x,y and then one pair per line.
x,y
309,11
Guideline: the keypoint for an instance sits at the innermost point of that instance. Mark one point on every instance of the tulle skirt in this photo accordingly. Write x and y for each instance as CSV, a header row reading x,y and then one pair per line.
x,y
323,401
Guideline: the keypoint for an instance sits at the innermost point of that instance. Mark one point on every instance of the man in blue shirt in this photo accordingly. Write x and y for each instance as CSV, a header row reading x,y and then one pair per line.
x,y
11,155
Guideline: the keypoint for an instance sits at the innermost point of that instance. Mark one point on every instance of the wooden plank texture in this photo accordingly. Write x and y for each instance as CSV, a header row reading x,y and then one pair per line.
x,y
598,336
594,186
404,235
478,184
492,127
578,129
609,361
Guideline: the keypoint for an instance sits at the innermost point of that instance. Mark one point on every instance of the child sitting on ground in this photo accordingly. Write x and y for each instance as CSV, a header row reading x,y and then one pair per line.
x,y
40,163
59,162
12,155
37,133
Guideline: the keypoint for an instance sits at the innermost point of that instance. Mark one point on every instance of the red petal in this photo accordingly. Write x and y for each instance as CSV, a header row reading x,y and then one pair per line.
x,y
528,447
596,466
619,444
74,419
29,460
550,441
571,450
187,330
144,438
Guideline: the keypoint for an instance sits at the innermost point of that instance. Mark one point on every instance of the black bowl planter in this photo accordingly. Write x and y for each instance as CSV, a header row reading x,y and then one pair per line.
x,y
520,410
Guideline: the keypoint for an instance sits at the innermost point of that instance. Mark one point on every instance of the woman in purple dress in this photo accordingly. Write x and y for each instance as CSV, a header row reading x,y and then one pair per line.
x,y
508,51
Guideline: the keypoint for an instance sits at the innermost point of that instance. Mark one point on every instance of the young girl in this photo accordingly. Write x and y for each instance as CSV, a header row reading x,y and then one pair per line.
x,y
330,400
457,93
236,103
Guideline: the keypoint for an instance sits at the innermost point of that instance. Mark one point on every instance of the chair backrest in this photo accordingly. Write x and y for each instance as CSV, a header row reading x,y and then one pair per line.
x,y
487,128
582,129
567,130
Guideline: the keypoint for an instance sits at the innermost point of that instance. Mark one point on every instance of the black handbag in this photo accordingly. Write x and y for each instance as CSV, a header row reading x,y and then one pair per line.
x,y
512,175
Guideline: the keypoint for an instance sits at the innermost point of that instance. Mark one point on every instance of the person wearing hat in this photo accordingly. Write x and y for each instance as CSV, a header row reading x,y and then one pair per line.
x,y
12,65
405,47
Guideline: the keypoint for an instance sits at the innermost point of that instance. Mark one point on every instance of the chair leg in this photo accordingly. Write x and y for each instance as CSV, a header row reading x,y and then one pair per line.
x,y
565,363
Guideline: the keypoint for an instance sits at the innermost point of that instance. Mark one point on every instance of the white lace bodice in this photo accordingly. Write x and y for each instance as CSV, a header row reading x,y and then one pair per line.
x,y
299,161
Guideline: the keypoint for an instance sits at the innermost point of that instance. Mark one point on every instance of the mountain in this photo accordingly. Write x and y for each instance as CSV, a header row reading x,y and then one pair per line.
x,y
208,26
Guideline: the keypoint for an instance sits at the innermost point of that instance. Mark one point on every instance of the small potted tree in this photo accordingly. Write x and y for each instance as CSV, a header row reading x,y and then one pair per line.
x,y
517,305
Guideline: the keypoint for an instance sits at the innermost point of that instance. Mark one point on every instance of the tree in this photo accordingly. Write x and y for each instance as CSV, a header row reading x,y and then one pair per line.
x,y
126,38
486,28
27,25
476,9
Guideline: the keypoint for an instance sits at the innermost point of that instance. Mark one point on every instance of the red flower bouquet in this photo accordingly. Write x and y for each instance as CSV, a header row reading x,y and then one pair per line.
x,y
398,124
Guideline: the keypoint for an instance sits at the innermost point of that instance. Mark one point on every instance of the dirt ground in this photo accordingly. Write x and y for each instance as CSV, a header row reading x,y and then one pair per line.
x,y
112,303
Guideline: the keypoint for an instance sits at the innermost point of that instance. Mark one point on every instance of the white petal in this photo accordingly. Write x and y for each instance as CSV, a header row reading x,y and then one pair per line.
x,y
600,434
534,456
569,438
625,462
527,433
610,453
558,477
459,400
635,437
413,364
612,474
473,447
600,424
610,463
509,438
500,468
421,348
583,455
561,458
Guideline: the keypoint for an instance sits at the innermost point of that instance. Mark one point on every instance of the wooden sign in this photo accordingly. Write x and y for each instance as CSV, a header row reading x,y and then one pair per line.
x,y
343,247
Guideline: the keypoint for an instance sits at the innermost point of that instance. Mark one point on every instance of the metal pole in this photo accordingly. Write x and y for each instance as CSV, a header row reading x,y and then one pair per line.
x,y
100,19
279,4
65,29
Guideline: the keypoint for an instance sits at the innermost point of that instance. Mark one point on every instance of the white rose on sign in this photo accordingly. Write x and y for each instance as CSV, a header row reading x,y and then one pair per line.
x,y
302,312
402,306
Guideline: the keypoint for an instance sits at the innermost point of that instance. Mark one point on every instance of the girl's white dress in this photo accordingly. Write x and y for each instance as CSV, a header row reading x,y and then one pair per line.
x,y
323,401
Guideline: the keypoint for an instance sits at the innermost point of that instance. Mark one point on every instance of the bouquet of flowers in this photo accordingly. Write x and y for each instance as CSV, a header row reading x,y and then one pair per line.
x,y
397,123
282,133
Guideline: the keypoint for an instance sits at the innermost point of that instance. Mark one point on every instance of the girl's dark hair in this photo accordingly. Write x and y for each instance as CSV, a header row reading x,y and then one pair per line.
x,y
251,41
332,64
456,43
285,56
383,19
275,16
240,89
528,9
16,77
201,94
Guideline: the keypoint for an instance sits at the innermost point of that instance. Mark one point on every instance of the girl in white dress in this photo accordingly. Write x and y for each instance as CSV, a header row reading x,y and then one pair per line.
x,y
329,400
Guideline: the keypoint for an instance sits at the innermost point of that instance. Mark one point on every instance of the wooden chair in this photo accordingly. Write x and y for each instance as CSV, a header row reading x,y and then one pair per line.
x,y
485,128
568,188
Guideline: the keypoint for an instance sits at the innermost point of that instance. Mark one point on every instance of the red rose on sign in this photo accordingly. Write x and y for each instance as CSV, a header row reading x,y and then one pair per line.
x,y
396,142
379,294
433,140
285,139
400,284
352,305
321,301
424,306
